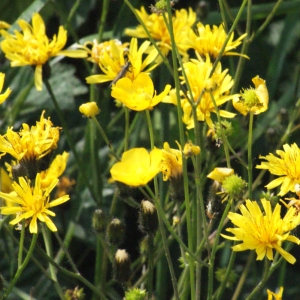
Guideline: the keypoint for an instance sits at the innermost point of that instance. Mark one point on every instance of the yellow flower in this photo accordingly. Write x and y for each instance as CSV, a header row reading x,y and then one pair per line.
x,y
253,100
128,62
182,24
263,232
89,109
190,149
206,40
277,296
219,174
137,167
138,94
55,170
4,25
32,47
198,72
171,164
30,144
287,167
32,203
7,92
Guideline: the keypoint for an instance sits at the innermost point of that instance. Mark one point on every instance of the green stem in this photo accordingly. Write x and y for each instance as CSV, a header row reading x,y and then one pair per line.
x,y
150,265
22,236
250,165
22,267
126,138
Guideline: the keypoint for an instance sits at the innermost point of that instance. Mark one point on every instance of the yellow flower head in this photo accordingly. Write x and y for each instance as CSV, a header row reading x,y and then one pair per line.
x,y
138,94
7,92
263,232
4,25
89,109
209,41
182,23
137,167
171,164
219,174
198,73
31,143
117,62
190,149
253,100
287,167
277,296
33,47
32,203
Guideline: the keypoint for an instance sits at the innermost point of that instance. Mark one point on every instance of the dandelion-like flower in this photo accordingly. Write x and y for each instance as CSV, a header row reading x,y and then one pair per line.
x,y
206,40
287,166
33,47
263,232
31,143
116,60
32,203
253,100
198,73
137,167
138,94
182,24
3,96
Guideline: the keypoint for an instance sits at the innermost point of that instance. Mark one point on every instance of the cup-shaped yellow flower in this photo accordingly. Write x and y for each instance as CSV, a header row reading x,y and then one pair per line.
x,y
138,94
253,100
89,109
32,203
219,174
137,167
287,166
117,61
183,21
277,296
3,96
33,47
206,40
263,232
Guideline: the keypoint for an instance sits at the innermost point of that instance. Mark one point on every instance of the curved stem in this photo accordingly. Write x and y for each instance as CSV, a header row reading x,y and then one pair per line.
x,y
250,165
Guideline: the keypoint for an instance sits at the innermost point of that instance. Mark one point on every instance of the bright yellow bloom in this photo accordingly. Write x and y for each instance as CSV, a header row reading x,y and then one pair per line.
x,y
198,73
182,24
190,149
4,25
128,62
31,143
171,164
32,203
206,40
7,92
263,232
32,47
137,166
55,170
219,174
287,167
277,296
138,94
89,109
253,100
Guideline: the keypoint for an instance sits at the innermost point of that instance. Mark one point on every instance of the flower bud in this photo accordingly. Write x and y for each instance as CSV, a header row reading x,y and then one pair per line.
x,y
214,200
115,232
77,294
89,109
148,217
99,221
234,186
190,149
122,266
135,294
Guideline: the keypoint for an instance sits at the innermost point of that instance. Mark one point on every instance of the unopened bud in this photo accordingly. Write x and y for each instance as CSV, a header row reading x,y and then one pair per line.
x,y
99,221
115,232
190,149
122,266
148,217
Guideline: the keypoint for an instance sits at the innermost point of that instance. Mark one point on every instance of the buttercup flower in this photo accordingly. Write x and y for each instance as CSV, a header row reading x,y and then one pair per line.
x,y
115,60
89,109
3,96
137,167
206,40
32,203
198,72
33,47
138,94
287,166
253,100
263,232
277,296
31,143
182,23
219,174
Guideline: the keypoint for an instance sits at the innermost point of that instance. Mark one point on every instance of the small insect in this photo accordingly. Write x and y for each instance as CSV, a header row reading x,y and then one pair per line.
x,y
122,73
